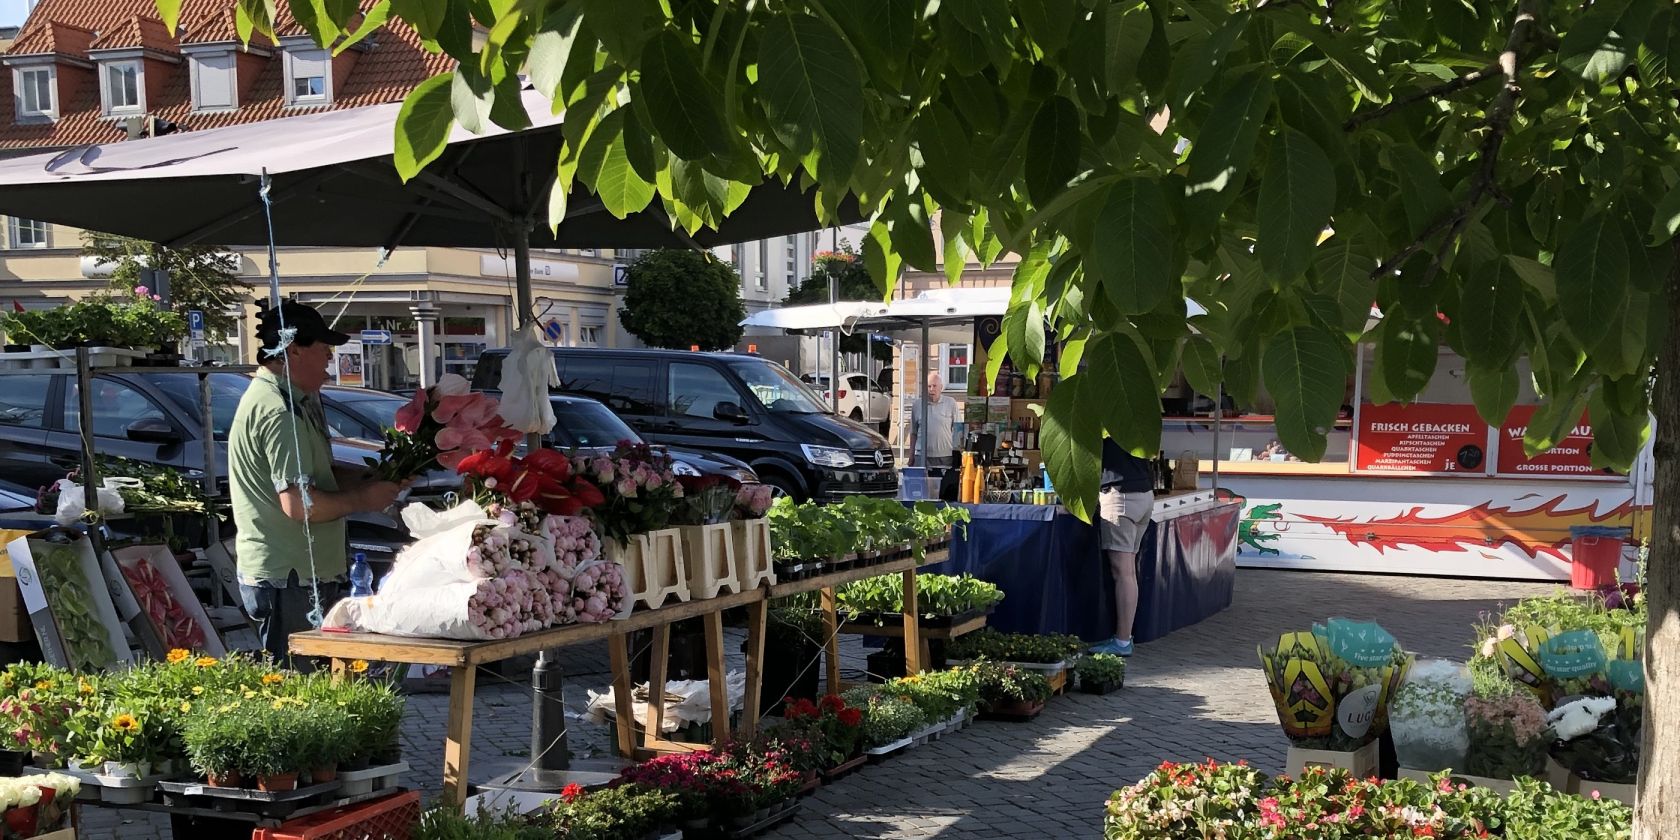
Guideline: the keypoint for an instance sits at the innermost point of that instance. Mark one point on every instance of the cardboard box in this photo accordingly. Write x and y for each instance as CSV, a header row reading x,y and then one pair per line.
x,y
1361,762
168,568
1623,793
14,616
1500,786
22,552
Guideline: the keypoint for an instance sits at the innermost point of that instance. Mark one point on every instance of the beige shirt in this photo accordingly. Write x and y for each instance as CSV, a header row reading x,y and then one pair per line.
x,y
942,417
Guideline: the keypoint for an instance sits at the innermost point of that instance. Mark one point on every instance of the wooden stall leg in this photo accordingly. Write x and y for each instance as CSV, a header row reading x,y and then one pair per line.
x,y
831,634
340,668
757,615
624,711
659,658
717,677
457,745
914,656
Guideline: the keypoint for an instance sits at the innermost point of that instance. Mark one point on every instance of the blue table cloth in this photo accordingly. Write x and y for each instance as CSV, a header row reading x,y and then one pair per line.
x,y
1056,580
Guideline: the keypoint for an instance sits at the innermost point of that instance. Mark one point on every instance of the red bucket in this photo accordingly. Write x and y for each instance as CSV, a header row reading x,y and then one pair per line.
x,y
1595,561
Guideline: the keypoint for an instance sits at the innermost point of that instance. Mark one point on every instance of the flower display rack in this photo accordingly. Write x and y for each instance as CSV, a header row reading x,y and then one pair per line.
x,y
277,805
359,782
753,565
747,825
879,754
709,554
654,566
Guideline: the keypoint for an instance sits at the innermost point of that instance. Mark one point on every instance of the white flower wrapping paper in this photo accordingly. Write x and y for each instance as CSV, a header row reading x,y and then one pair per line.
x,y
1427,716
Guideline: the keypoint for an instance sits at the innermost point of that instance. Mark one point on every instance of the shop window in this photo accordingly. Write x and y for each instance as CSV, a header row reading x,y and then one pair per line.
x,y
589,336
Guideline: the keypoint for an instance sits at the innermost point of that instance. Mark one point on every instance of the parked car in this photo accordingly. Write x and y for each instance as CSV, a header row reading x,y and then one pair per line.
x,y
861,398
17,509
742,406
152,415
581,423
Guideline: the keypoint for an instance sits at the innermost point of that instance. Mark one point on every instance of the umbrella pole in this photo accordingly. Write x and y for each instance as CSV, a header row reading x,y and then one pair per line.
x,y
922,439
273,257
549,750
1218,421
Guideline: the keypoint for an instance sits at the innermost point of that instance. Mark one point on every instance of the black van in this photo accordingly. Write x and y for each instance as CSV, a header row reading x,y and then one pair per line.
x,y
738,405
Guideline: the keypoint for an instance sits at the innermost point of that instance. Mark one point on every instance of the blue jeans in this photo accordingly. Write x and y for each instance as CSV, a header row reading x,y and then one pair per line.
x,y
281,608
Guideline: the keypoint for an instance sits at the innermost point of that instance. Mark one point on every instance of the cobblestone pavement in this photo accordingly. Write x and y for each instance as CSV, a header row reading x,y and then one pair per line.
x,y
1197,693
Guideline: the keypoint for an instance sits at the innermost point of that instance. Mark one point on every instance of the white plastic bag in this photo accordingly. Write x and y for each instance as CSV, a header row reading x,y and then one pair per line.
x,y
426,595
686,701
527,375
1426,716
72,501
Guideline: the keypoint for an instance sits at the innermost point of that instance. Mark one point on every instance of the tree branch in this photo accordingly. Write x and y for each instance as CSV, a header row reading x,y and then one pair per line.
x,y
1447,88
1483,185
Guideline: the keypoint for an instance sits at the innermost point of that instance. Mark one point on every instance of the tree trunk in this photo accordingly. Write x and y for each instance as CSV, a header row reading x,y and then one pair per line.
x,y
1658,814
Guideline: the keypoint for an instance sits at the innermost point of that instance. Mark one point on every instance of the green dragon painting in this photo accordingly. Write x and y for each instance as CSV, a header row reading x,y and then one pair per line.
x,y
1247,532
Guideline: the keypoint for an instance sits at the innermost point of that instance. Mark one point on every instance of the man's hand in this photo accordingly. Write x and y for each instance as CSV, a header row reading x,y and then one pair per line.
x,y
380,495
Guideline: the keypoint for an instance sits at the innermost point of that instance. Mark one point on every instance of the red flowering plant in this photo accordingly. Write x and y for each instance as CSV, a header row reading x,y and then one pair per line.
x,y
640,493
542,478
441,426
833,728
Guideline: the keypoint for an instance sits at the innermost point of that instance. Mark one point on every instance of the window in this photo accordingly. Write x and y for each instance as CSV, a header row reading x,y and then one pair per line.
x,y
35,93
763,264
307,72
122,87
23,401
589,336
213,77
625,387
28,233
698,390
116,406
791,247
587,425
341,425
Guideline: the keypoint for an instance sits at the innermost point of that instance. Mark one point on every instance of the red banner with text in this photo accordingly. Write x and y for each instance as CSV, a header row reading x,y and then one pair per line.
x,y
1571,457
1421,438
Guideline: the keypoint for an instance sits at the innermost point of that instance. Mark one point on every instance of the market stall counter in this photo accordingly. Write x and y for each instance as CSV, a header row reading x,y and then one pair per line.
x,y
1052,566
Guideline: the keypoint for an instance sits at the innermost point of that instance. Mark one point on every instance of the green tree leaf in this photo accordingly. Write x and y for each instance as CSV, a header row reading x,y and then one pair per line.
x,y
1047,22
1130,255
1537,275
1493,390
995,356
685,105
1665,223
169,11
1071,440
1054,139
1410,350
1296,195
1592,277
426,16
1490,314
812,92
1023,323
1306,372
470,96
1129,27
1553,420
1201,363
1220,156
551,48
881,257
1342,272
423,125
605,166
1130,404
1617,437
943,154
1602,42
1421,192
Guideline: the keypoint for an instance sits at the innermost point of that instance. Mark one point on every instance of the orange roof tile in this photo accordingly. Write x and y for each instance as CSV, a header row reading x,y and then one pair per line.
x,y
218,27
137,31
384,74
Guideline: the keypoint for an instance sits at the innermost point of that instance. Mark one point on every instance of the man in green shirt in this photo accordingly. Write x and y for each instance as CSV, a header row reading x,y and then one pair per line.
x,y
288,504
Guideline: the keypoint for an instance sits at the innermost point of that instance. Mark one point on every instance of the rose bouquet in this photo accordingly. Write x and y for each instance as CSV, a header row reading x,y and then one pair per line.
x,y
506,606
441,425
639,491
498,550
706,499
752,501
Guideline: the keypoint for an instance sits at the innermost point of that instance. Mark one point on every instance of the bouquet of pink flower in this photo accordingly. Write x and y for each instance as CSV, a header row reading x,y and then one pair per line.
x,y
598,591
441,425
752,501
497,551
638,489
506,606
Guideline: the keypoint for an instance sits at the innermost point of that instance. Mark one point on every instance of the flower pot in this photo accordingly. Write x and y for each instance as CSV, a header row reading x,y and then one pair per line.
x,y
278,782
752,552
127,769
389,754
359,761
322,775
1101,688
224,778
11,763
1012,710
23,822
709,555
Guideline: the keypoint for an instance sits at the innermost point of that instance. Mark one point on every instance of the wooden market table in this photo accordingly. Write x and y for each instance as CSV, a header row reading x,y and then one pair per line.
x,y
463,658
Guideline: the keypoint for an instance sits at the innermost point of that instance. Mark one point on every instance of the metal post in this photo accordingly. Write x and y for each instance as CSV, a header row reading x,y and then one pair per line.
x,y
834,347
1218,421
90,472
212,492
273,255
922,410
425,323
868,376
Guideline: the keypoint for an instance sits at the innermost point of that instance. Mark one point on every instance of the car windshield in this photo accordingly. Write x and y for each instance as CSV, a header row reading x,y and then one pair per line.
x,y
581,424
778,390
225,391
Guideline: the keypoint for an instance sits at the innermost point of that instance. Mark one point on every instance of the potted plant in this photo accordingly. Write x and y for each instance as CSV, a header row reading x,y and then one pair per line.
x,y
122,743
277,745
834,728
624,812
1508,732
1100,673
1427,717
1009,692
888,721
217,742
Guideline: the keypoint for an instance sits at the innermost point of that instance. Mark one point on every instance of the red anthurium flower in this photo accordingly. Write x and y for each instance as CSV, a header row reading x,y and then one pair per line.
x,y
487,464
550,463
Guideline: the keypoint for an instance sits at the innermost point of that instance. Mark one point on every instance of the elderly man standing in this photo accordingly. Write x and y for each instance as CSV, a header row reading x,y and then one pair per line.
x,y
941,422
288,504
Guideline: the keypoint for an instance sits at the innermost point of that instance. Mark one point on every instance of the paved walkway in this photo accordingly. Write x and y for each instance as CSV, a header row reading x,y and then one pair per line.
x,y
1197,693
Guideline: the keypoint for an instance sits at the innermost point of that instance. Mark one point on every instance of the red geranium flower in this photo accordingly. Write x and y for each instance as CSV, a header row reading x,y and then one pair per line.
x,y
572,792
851,717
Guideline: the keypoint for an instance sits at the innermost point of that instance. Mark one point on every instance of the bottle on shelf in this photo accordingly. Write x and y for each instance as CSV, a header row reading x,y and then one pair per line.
x,y
361,576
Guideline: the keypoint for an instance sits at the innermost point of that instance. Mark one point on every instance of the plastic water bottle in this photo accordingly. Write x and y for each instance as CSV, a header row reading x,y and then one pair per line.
x,y
361,576
1044,476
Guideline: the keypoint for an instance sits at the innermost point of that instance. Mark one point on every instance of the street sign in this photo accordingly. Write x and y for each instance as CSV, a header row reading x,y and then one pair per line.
x,y
552,330
195,325
621,274
376,336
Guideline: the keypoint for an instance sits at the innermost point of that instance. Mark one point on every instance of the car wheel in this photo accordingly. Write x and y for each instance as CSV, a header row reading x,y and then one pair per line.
x,y
781,486
857,414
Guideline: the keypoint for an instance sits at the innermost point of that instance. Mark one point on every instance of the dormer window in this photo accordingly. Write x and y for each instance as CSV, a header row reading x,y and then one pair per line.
x,y
122,87
308,77
35,99
214,81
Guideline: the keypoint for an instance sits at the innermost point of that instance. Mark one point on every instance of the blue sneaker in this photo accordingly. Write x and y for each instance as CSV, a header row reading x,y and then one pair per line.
x,y
1123,648
1114,647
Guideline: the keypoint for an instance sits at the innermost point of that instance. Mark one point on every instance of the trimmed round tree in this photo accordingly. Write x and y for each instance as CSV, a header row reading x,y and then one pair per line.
x,y
679,298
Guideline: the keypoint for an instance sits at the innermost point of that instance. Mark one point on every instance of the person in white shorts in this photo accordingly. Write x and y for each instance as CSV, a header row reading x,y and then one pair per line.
x,y
1127,499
